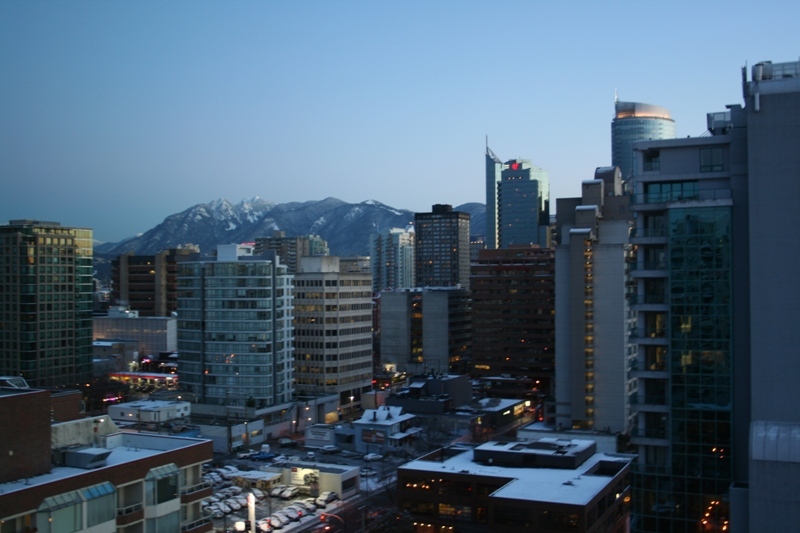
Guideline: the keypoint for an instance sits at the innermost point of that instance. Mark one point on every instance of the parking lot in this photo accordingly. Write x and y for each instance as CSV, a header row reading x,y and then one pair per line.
x,y
375,471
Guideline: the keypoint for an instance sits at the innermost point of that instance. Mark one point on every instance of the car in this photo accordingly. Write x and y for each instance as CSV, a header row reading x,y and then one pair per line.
x,y
222,506
276,490
290,492
278,520
294,510
265,526
263,456
285,441
216,512
373,457
233,504
279,460
246,455
326,497
368,472
311,456
304,506
290,516
310,504
329,448
259,495
242,500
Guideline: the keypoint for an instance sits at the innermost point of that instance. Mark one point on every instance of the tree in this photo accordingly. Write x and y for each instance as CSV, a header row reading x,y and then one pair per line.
x,y
389,519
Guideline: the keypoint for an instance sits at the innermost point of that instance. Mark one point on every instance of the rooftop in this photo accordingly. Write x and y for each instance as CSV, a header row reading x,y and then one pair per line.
x,y
576,486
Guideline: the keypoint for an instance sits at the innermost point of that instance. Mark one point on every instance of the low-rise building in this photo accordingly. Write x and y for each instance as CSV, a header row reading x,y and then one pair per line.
x,y
86,475
385,429
545,485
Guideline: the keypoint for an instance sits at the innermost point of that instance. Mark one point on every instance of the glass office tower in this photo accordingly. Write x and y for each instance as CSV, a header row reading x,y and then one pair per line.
x,y
46,303
634,121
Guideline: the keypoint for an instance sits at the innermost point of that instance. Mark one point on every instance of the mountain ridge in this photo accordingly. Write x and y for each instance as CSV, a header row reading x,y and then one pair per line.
x,y
346,227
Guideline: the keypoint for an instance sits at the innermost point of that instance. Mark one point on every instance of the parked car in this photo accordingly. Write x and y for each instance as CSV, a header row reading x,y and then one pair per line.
x,y
294,510
233,504
373,457
290,492
278,521
290,517
329,448
262,456
311,504
259,494
276,490
368,472
284,441
311,456
325,498
264,525
246,455
304,506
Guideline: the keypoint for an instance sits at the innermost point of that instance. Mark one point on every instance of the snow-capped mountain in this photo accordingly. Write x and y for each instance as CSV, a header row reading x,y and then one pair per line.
x,y
346,227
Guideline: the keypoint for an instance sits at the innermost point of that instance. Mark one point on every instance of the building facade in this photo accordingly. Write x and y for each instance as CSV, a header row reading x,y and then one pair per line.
x,y
691,311
426,330
392,255
148,284
235,331
86,475
153,335
513,317
593,382
292,249
634,121
442,247
46,303
333,330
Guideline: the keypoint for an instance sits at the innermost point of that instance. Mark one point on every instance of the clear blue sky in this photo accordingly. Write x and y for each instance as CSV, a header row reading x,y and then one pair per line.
x,y
114,115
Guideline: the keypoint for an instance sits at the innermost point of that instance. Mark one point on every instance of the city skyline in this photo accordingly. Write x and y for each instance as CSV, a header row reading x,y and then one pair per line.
x,y
168,106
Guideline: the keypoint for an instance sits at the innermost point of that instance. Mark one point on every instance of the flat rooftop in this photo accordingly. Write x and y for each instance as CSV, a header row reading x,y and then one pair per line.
x,y
576,486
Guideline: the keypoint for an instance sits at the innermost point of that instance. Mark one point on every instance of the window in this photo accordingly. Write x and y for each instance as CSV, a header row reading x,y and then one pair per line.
x,y
101,503
711,159
161,484
61,513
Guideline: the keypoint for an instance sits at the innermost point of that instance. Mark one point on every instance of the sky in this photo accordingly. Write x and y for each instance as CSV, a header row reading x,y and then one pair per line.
x,y
117,114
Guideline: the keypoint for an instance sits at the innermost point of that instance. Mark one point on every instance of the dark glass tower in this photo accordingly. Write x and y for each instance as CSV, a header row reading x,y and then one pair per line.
x,y
46,303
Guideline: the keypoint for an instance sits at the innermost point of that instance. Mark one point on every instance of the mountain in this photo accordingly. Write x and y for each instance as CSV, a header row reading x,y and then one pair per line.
x,y
346,227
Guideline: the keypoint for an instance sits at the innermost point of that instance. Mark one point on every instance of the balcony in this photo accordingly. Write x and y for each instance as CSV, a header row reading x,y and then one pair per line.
x,y
648,236
649,436
648,269
196,492
200,525
649,302
130,514
660,201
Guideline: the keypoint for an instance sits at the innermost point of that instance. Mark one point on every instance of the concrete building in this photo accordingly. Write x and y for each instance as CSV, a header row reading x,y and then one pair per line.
x,y
716,289
634,121
154,335
148,283
593,382
544,485
426,330
392,254
46,303
333,329
442,248
86,475
291,249
147,411
513,317
235,333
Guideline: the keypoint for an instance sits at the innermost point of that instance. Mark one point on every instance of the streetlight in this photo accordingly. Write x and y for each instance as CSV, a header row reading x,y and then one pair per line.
x,y
326,516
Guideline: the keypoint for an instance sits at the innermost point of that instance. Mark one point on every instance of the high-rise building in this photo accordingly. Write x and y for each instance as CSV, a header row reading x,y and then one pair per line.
x,y
392,255
235,331
634,121
46,303
517,203
513,318
426,330
592,354
494,168
148,283
523,205
292,249
333,330
442,247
